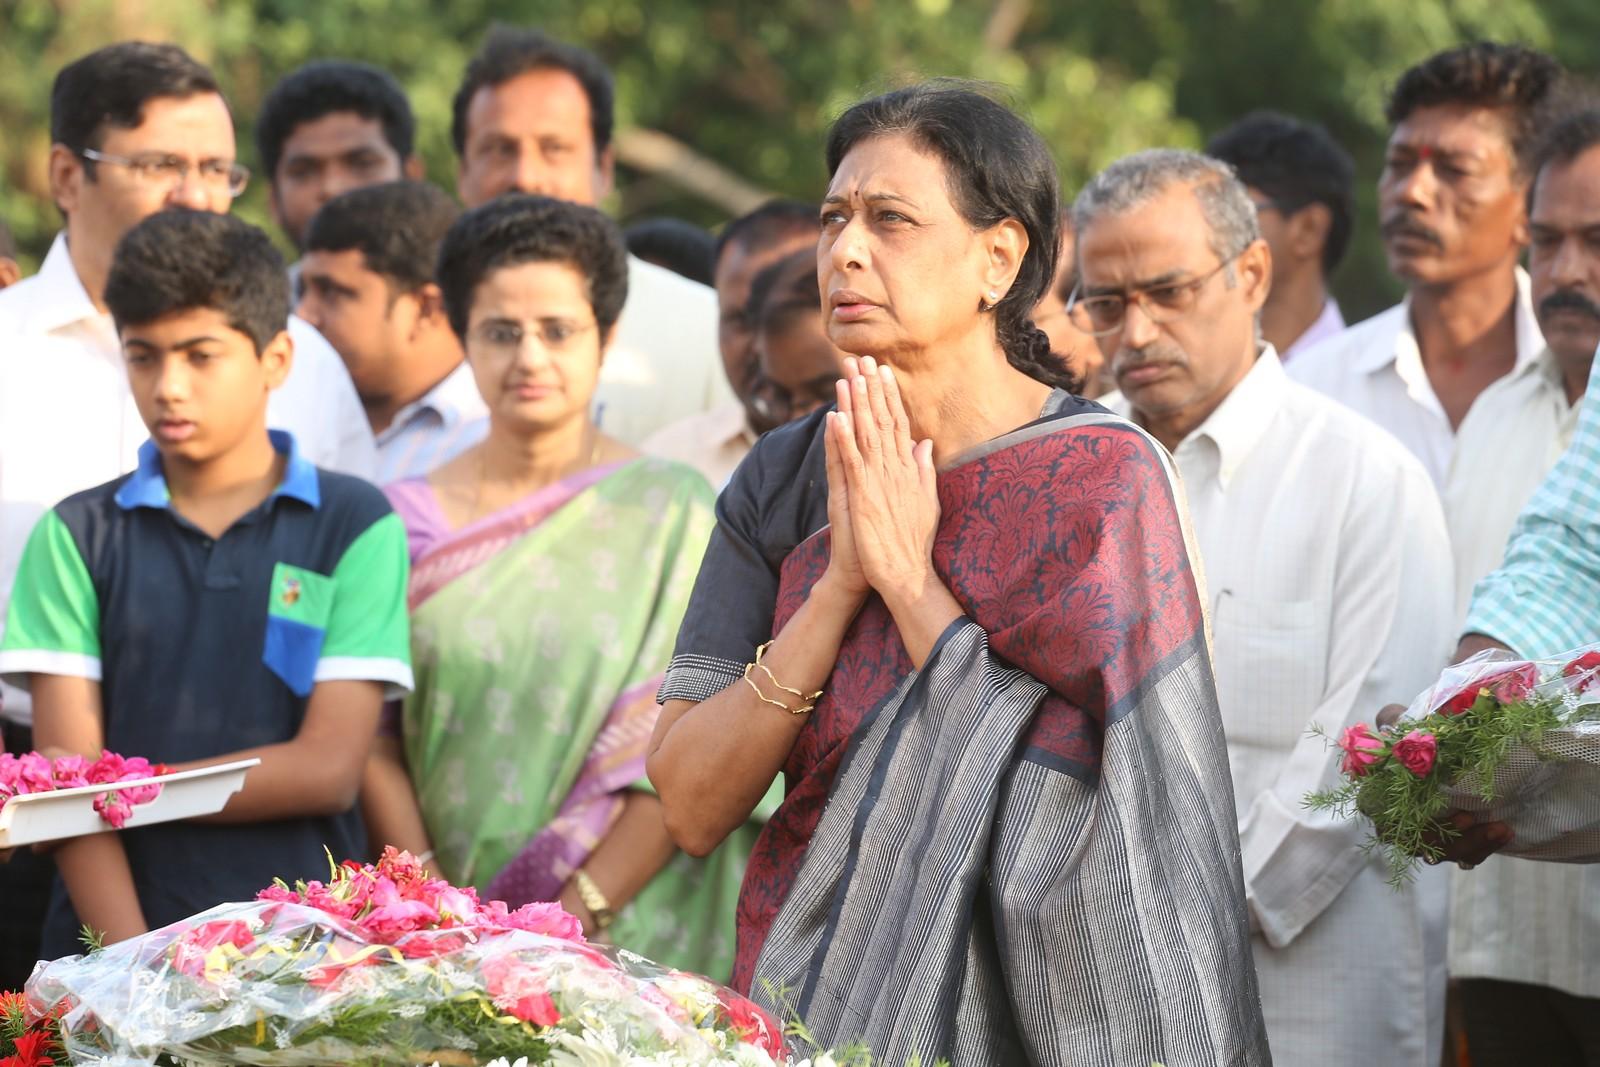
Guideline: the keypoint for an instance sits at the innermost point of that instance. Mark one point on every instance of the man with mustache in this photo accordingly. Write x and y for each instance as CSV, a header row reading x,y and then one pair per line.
x,y
1326,562
1521,933
1451,198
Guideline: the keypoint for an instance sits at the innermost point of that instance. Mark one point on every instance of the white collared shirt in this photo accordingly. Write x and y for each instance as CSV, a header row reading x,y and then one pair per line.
x,y
433,429
713,443
1516,920
1328,573
663,364
1508,442
1375,367
68,421
1328,324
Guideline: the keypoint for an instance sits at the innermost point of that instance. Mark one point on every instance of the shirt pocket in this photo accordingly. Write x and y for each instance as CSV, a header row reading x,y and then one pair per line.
x,y
1271,667
298,607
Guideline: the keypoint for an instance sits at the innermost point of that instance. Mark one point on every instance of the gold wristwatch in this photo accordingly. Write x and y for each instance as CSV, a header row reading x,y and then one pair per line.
x,y
599,907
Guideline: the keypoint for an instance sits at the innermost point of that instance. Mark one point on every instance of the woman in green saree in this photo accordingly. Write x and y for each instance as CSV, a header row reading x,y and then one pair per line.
x,y
551,566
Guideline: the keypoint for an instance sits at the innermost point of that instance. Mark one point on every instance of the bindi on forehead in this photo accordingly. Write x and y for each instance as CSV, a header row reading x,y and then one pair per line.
x,y
1463,133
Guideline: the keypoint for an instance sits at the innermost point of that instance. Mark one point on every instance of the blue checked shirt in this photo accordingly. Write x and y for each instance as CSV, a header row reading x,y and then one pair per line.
x,y
1545,598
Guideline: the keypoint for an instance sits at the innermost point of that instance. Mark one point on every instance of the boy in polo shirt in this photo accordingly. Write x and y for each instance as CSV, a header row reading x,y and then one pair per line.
x,y
225,600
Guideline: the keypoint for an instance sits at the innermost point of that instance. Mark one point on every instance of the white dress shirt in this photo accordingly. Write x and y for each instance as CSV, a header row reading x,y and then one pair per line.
x,y
1328,324
713,443
433,429
1376,368
1328,574
68,421
1511,919
664,364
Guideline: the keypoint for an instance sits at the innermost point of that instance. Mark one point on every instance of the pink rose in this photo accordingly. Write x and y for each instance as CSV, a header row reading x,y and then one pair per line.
x,y
386,922
1515,684
189,952
107,769
113,809
278,894
69,772
1361,750
519,989
34,774
319,896
551,920
1416,752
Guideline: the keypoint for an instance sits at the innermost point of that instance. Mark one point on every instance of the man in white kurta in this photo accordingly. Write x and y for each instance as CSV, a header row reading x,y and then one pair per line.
x,y
1327,571
1326,563
1376,368
1451,207
1525,936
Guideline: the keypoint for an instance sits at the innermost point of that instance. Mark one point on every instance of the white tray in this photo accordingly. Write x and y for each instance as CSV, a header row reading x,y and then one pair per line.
x,y
63,813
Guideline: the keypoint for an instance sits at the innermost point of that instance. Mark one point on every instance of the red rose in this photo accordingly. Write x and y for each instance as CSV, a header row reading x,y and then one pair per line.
x,y
753,1025
1416,752
1586,668
1507,687
1361,750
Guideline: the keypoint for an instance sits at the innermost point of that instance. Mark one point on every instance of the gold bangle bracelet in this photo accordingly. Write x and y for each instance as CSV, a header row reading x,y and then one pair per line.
x,y
812,699
756,689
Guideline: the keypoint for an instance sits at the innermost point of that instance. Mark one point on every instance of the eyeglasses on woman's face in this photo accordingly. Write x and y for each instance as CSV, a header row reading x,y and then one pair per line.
x,y
165,171
1104,314
505,337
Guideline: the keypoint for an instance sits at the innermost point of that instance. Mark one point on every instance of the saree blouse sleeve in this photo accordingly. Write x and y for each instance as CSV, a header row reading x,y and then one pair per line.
x,y
776,499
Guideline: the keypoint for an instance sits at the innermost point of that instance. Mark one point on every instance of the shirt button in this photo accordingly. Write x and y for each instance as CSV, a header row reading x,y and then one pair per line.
x,y
206,542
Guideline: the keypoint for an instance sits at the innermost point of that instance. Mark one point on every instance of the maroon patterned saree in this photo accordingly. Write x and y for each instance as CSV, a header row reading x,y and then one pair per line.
x,y
1025,852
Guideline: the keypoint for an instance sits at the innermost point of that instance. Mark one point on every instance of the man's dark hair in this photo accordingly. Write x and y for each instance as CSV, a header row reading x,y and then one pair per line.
x,y
1295,164
784,292
1506,77
110,87
518,228
997,167
398,227
1565,139
767,224
328,86
681,247
179,260
508,52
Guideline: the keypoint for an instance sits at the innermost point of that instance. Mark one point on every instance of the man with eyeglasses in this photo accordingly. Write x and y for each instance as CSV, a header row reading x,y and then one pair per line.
x,y
1451,201
1300,180
715,442
136,128
1328,574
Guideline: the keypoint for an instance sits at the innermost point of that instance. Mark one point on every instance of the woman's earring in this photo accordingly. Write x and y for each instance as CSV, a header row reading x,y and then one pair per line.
x,y
994,298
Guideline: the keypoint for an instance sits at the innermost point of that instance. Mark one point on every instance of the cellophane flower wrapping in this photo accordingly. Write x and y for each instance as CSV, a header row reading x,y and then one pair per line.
x,y
1546,783
405,976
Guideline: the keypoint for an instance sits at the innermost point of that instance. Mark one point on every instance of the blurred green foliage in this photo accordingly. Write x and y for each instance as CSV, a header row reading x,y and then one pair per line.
x,y
753,84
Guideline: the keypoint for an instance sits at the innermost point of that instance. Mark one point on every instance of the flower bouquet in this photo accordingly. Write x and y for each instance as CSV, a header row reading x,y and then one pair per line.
x,y
27,1038
383,964
31,773
1517,741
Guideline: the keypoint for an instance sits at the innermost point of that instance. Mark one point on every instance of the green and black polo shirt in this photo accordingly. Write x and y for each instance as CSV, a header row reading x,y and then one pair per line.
x,y
206,646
